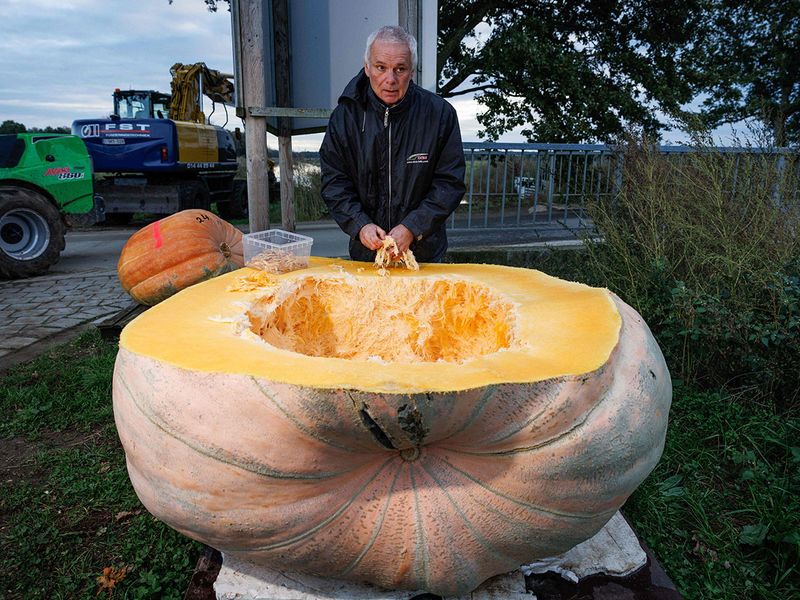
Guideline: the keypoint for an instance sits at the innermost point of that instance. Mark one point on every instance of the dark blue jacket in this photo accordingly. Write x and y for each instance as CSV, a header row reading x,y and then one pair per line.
x,y
393,165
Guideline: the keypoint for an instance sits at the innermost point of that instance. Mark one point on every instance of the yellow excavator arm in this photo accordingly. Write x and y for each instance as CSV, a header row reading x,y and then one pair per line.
x,y
190,83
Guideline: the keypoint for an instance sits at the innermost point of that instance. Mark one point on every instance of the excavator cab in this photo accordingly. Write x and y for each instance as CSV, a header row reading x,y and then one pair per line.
x,y
141,104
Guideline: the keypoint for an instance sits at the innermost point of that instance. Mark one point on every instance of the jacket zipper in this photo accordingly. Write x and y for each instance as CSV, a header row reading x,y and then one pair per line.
x,y
385,124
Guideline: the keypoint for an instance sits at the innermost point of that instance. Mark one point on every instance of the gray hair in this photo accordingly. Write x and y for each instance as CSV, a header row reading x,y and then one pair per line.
x,y
396,35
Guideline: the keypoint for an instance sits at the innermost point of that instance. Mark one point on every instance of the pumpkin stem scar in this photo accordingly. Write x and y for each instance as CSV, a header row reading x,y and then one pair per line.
x,y
375,429
225,249
411,423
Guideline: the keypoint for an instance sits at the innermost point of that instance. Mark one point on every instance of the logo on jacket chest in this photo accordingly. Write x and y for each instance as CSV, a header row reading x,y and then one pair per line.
x,y
420,157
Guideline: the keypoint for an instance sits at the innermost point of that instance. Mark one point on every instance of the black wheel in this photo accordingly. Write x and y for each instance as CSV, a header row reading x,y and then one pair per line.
x,y
118,218
194,194
31,233
236,207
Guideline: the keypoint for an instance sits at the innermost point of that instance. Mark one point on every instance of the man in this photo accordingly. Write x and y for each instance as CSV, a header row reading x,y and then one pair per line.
x,y
392,160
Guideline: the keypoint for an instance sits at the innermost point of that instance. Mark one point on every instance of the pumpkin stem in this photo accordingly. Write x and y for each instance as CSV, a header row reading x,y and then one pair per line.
x,y
410,454
225,249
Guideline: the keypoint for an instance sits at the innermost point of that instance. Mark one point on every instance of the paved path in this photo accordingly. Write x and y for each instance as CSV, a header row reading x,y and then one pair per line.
x,y
32,310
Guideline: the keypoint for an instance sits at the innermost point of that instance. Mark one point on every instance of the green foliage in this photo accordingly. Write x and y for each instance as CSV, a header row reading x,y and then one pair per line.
x,y
9,126
721,511
705,246
67,506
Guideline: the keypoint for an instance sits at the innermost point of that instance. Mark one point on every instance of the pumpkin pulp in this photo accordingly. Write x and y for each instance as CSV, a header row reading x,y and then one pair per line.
x,y
388,319
443,328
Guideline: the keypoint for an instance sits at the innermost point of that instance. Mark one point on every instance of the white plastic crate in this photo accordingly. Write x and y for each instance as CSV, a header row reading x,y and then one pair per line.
x,y
276,250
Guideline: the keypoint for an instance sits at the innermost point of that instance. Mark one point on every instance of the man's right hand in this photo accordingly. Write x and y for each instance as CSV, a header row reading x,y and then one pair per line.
x,y
371,236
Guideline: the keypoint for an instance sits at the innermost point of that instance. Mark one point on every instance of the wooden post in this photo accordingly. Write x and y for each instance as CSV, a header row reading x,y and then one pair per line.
x,y
254,94
283,92
409,13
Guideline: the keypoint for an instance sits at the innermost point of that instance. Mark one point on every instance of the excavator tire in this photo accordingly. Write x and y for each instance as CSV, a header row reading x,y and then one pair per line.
x,y
31,233
236,207
194,194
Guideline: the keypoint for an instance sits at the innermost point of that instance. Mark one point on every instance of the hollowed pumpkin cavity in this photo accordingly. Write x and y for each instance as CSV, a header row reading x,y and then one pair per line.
x,y
394,319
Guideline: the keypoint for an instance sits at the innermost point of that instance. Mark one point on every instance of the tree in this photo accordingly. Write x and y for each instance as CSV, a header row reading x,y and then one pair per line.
x,y
751,65
49,129
9,126
569,70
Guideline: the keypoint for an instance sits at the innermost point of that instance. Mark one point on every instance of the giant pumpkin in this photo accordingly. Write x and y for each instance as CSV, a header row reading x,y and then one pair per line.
x,y
422,431
177,251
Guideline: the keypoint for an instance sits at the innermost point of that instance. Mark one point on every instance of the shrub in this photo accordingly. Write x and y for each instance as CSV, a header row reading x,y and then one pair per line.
x,y
705,246
308,203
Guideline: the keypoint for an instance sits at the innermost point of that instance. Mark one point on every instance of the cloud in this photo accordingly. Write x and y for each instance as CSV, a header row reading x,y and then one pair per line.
x,y
62,60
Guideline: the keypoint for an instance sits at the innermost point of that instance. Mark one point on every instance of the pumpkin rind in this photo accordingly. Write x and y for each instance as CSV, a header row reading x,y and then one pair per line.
x,y
417,490
176,252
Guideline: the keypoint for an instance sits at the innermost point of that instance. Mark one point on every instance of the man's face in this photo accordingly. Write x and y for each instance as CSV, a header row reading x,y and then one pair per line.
x,y
389,70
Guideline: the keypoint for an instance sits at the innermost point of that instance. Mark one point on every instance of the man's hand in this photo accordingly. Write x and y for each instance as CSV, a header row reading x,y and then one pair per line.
x,y
371,236
403,236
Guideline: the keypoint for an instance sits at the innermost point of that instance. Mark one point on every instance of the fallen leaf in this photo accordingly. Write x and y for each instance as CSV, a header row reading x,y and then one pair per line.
x,y
126,514
110,578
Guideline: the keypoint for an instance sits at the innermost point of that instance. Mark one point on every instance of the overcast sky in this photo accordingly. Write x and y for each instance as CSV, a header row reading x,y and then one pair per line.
x,y
60,60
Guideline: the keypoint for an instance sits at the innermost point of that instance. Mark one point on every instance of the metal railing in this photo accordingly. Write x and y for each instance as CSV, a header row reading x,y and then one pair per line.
x,y
545,186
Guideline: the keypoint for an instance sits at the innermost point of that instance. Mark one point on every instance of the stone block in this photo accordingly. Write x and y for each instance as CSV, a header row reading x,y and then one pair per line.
x,y
239,580
613,551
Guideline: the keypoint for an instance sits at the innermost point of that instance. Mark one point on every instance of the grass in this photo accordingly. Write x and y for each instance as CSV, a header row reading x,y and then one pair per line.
x,y
67,509
721,511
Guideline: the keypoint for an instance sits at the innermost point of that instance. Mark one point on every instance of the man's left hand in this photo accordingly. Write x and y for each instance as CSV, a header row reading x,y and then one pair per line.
x,y
403,236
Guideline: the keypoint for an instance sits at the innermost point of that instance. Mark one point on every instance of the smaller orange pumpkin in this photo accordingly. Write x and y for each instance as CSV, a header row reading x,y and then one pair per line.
x,y
178,251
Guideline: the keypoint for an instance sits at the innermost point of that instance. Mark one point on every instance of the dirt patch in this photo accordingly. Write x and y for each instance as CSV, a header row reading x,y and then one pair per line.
x,y
18,455
17,459
69,438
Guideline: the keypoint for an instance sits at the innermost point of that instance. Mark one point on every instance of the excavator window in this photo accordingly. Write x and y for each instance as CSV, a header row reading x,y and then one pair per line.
x,y
160,105
133,104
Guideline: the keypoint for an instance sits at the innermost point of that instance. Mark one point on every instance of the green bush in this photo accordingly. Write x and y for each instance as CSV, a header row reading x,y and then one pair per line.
x,y
705,246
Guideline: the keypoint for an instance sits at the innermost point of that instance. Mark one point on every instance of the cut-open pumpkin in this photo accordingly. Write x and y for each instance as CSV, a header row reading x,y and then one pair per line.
x,y
424,430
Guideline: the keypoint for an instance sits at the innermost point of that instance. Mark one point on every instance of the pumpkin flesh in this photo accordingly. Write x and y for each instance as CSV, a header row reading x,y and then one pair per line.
x,y
410,470
559,328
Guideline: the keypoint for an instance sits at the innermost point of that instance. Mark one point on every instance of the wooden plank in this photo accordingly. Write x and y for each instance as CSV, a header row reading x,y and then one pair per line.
x,y
253,88
112,326
283,93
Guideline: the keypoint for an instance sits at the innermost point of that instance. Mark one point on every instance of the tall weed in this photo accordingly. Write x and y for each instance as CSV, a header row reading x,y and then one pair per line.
x,y
705,245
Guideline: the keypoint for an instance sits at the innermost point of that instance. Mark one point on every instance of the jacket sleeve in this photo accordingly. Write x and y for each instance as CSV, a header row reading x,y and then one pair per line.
x,y
338,187
447,187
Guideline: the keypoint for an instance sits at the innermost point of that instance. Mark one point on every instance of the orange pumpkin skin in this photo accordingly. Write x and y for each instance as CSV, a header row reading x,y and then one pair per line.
x,y
177,251
477,482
